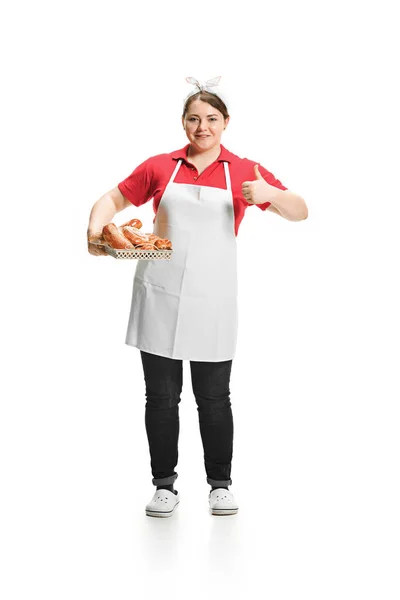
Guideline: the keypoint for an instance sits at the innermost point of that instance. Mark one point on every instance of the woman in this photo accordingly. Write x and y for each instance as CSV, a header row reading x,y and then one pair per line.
x,y
186,308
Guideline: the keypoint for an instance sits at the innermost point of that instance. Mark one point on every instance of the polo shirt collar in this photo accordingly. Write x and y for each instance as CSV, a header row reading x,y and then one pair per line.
x,y
182,153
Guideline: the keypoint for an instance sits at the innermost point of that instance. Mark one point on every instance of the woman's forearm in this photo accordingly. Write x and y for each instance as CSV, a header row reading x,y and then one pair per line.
x,y
101,214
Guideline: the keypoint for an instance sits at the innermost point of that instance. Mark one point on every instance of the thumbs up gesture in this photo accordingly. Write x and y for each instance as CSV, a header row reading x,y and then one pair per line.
x,y
257,191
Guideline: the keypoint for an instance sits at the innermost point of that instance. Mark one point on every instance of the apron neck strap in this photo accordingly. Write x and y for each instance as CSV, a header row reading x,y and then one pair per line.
x,y
227,176
178,164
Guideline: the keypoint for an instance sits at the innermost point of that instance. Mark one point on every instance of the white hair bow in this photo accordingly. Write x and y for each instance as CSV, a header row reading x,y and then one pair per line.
x,y
211,86
206,85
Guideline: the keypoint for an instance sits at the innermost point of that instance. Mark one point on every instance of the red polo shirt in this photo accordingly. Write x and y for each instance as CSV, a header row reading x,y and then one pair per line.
x,y
151,177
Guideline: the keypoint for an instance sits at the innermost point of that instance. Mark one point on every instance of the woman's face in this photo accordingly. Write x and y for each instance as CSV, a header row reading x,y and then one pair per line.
x,y
204,125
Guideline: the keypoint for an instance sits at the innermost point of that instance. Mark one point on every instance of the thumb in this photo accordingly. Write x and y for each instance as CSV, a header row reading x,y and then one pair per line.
x,y
257,172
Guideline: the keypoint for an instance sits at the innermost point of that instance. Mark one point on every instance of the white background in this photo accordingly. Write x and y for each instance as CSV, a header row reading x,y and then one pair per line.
x,y
90,90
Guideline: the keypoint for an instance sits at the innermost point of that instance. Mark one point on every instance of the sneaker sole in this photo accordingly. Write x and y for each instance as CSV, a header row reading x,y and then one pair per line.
x,y
221,511
157,513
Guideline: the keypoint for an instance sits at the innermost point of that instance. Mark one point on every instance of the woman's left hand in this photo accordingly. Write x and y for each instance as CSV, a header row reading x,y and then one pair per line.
x,y
258,191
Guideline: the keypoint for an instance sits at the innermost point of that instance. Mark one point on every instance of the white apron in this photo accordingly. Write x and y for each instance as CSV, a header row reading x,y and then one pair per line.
x,y
186,307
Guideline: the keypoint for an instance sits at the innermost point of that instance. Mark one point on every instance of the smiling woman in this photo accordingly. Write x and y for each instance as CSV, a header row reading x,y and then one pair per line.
x,y
204,126
186,308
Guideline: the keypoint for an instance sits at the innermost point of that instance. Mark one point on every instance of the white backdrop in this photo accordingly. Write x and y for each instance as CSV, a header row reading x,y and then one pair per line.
x,y
90,90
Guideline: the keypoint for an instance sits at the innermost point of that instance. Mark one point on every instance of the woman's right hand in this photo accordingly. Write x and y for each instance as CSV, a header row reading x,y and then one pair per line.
x,y
94,248
103,212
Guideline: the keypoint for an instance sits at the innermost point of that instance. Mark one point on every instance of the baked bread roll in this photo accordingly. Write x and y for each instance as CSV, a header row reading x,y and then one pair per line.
x,y
134,235
160,243
132,223
163,244
114,238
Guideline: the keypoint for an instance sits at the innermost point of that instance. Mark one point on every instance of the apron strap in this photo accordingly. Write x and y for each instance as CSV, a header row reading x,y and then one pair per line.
x,y
175,171
227,176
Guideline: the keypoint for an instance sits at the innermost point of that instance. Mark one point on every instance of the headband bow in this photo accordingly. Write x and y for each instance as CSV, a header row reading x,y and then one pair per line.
x,y
206,85
211,86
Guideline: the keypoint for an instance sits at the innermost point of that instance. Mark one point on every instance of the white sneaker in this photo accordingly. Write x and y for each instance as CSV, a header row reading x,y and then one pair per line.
x,y
222,502
162,504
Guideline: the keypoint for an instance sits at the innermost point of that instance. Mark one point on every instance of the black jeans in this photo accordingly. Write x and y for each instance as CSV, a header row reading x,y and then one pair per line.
x,y
210,383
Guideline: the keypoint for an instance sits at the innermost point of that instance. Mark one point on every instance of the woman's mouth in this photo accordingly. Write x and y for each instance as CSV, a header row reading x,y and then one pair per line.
x,y
202,136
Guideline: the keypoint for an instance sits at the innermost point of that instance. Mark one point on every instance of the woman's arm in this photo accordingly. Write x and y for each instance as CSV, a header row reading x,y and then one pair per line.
x,y
104,210
102,213
289,205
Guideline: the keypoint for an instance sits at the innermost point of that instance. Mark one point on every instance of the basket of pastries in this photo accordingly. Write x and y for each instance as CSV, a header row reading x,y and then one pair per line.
x,y
128,241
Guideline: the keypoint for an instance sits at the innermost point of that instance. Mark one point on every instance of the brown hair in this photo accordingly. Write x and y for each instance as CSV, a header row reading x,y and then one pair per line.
x,y
212,99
